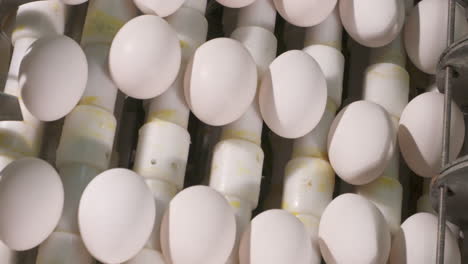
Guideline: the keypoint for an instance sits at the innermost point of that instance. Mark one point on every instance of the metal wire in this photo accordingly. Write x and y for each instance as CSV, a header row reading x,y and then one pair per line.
x,y
446,137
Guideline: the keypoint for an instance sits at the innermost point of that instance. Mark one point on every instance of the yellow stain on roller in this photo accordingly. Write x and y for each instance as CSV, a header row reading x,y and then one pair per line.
x,y
183,44
19,28
215,167
102,26
15,144
106,120
331,106
313,152
164,114
333,44
284,205
241,134
387,182
56,7
236,204
243,171
89,100
392,72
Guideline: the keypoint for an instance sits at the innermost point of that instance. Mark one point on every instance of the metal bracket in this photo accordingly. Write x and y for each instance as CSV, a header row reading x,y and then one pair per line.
x,y
456,57
455,177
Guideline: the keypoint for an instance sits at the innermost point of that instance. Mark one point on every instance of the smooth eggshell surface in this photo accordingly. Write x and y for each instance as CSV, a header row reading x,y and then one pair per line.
x,y
145,57
147,256
352,230
305,13
198,227
220,81
420,133
52,83
31,203
361,142
275,237
162,8
416,242
427,24
372,23
235,3
73,2
116,215
293,94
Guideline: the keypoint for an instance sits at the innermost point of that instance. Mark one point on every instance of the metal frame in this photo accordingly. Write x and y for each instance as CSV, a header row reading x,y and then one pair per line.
x,y
451,172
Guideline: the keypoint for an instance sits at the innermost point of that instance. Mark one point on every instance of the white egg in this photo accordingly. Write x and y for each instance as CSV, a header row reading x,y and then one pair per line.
x,y
147,256
116,215
305,13
416,242
220,81
52,83
372,23
361,142
293,94
73,2
275,237
198,227
31,203
425,32
352,230
162,8
145,57
235,3
420,133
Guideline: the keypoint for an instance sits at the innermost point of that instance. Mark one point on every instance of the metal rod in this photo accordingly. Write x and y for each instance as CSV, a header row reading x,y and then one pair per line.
x,y
445,137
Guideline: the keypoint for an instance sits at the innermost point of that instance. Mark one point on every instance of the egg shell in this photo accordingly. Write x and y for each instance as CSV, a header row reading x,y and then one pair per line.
x,y
293,94
198,227
425,32
52,84
147,256
420,133
372,23
116,215
361,142
145,57
162,8
416,242
275,237
352,230
235,3
220,81
305,13
74,2
31,203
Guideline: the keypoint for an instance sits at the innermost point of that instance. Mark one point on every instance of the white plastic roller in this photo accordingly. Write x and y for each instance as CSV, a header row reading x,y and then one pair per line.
x,y
236,169
308,186
164,152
